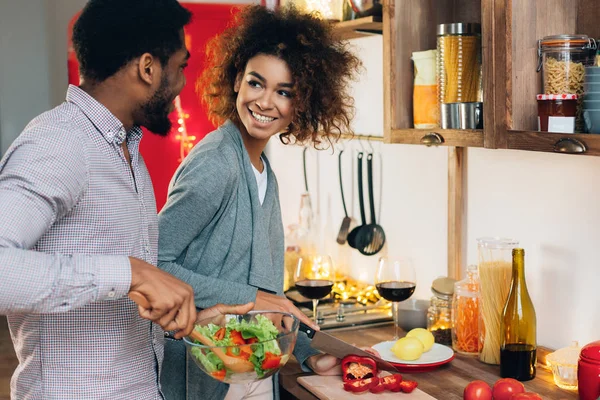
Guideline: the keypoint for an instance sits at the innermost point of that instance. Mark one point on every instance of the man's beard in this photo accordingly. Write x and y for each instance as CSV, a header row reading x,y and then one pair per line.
x,y
156,110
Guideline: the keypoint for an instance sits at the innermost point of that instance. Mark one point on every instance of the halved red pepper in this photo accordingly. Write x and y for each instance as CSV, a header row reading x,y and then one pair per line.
x,y
271,361
361,385
356,368
392,382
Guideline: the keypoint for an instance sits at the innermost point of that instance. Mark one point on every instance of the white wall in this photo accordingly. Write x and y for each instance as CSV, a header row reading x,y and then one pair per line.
x,y
549,202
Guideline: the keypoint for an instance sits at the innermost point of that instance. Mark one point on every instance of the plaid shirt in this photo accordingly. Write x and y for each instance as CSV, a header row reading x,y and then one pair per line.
x,y
71,213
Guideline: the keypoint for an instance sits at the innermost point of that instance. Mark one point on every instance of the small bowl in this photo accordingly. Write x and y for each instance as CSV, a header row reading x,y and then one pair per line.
x,y
254,354
412,314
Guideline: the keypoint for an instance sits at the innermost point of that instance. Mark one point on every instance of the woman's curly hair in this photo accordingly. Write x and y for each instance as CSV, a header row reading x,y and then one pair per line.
x,y
321,67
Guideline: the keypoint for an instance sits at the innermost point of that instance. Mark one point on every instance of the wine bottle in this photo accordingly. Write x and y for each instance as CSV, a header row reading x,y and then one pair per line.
x,y
518,347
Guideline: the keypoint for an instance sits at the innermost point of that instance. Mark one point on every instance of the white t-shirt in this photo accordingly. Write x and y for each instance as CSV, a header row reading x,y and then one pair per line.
x,y
261,181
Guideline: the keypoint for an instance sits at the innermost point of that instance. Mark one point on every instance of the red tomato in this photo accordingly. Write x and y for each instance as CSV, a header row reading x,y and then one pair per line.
x,y
477,390
236,337
505,388
220,334
526,396
220,374
271,361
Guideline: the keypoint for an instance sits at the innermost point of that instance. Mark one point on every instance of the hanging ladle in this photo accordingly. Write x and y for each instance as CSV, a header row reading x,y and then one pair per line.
x,y
353,236
371,238
345,227
234,364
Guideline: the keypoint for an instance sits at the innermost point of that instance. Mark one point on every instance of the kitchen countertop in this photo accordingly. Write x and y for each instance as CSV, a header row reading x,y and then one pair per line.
x,y
445,383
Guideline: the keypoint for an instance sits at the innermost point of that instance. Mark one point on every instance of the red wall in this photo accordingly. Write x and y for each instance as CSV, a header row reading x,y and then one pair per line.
x,y
162,153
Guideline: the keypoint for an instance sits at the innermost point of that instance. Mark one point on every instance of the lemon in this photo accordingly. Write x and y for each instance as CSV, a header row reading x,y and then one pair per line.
x,y
424,336
408,348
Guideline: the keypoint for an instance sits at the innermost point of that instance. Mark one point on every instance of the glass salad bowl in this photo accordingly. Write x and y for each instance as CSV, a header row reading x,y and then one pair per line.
x,y
243,348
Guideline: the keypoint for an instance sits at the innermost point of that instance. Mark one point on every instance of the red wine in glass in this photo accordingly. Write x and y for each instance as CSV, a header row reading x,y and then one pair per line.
x,y
396,290
314,289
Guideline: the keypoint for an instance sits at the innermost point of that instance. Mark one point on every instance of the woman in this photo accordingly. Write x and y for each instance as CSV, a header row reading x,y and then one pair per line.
x,y
272,72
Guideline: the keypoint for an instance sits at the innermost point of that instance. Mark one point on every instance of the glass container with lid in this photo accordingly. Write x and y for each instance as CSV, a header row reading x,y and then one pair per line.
x,y
459,63
495,274
465,314
562,60
439,313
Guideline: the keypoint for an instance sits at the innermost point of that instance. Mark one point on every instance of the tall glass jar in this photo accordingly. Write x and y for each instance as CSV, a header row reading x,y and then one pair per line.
x,y
459,63
495,273
562,60
465,314
439,313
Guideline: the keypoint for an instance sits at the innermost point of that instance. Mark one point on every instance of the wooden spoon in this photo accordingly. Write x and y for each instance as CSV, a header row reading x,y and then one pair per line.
x,y
238,365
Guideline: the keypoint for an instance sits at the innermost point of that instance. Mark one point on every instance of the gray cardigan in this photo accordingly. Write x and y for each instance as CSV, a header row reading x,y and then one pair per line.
x,y
215,235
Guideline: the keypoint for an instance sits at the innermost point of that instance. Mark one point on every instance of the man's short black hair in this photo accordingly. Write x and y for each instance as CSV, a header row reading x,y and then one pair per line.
x,y
110,33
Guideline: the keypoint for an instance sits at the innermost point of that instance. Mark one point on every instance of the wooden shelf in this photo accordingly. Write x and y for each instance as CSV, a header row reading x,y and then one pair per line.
x,y
546,141
359,27
451,137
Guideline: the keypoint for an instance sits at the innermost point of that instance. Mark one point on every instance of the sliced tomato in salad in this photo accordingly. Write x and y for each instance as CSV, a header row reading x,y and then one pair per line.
x,y
220,334
252,340
271,361
236,337
220,374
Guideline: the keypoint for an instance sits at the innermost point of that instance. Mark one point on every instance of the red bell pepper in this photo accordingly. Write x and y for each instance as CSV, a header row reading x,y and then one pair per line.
x,y
361,385
408,386
236,337
380,387
357,368
271,361
392,382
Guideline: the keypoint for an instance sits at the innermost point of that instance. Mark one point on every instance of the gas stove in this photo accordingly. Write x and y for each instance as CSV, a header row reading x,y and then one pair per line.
x,y
343,314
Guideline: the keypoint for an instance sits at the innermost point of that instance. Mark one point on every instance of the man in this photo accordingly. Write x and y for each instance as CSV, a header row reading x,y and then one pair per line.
x,y
78,227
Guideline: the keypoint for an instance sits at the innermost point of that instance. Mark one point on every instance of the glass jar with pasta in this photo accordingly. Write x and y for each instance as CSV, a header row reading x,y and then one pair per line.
x,y
562,60
495,273
459,63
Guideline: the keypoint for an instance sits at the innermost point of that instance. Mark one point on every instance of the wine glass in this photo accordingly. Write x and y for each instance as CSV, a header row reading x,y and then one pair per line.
x,y
314,278
395,282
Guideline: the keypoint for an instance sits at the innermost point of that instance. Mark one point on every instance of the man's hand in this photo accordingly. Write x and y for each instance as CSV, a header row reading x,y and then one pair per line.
x,y
272,302
162,298
325,364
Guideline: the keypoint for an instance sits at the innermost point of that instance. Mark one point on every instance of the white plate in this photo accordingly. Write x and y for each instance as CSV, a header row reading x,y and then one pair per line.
x,y
439,354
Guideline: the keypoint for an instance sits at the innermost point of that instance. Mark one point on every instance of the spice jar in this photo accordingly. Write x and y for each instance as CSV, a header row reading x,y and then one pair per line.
x,y
465,314
439,313
588,372
557,112
459,63
562,60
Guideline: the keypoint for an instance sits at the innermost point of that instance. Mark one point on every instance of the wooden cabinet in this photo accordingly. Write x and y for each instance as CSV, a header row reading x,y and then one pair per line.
x,y
519,24
510,30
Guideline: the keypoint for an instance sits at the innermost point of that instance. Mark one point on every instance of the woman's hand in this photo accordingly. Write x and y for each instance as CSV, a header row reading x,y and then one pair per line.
x,y
273,302
325,364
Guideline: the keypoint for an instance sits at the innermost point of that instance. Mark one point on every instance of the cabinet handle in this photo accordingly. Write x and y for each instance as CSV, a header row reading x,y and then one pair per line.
x,y
570,146
432,139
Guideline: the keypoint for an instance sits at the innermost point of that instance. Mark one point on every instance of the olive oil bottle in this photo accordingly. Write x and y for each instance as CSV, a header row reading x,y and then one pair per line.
x,y
518,348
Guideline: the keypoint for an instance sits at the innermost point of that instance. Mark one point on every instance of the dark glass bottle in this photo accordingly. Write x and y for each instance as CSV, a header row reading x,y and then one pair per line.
x,y
518,347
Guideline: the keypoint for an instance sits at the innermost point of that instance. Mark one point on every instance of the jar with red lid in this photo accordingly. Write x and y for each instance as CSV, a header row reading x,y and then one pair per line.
x,y
557,112
588,372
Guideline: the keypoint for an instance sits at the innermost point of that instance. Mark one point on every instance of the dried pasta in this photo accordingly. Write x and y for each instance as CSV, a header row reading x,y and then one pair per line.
x,y
566,77
459,69
495,279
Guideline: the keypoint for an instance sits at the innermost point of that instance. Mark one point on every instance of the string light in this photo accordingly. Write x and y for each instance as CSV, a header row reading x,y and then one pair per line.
x,y
186,141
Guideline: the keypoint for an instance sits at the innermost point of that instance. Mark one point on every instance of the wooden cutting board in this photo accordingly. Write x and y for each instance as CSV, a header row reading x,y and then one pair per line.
x,y
332,388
